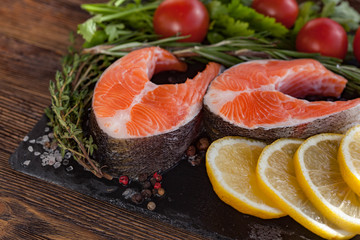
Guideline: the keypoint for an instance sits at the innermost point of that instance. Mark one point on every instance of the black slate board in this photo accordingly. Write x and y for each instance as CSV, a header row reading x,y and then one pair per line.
x,y
189,203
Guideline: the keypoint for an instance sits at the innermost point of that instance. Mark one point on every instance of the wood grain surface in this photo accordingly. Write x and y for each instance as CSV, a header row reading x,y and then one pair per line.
x,y
33,38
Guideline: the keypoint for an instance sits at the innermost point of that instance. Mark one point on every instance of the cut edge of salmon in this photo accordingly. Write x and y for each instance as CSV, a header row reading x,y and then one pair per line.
x,y
113,125
217,97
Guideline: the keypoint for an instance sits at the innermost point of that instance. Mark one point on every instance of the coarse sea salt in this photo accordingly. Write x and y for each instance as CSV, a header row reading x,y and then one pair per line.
x,y
68,155
69,168
65,162
30,149
51,156
51,160
51,135
57,165
26,163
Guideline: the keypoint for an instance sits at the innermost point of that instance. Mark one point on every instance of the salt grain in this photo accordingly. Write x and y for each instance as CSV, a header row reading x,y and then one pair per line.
x,y
51,160
51,135
26,163
69,168
26,138
57,164
32,141
58,158
128,193
30,149
46,138
67,155
37,153
47,129
65,162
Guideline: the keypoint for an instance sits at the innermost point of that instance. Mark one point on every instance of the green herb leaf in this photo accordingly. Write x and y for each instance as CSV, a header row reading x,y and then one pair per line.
x,y
307,11
236,19
346,15
87,29
115,30
257,21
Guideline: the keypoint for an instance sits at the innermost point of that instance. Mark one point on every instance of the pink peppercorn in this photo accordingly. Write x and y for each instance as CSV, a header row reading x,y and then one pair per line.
x,y
124,180
157,176
157,185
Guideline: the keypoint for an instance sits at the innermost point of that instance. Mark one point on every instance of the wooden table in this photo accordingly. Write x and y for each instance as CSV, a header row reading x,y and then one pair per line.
x,y
33,38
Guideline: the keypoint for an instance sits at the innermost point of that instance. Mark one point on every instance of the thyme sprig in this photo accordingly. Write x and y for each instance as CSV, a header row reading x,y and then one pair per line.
x,y
71,94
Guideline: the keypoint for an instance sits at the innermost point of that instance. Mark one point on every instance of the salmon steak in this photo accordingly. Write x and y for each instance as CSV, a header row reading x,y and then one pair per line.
x,y
264,99
141,127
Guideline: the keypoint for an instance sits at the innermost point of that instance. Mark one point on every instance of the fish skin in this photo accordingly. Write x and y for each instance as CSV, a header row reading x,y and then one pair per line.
x,y
302,124
145,155
140,127
340,122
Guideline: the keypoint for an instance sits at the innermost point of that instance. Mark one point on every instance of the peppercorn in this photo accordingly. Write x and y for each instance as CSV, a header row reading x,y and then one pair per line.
x,y
202,144
151,206
137,198
153,181
146,193
160,192
157,177
142,177
146,184
124,180
196,161
191,151
157,185
154,191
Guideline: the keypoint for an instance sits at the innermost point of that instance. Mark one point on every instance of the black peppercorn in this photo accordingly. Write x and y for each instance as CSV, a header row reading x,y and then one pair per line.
x,y
146,184
142,177
196,161
137,198
146,193
154,191
191,151
202,144
153,181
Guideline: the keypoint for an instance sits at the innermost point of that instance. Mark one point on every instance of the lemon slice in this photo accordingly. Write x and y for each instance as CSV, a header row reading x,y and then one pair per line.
x,y
317,171
276,176
231,164
349,158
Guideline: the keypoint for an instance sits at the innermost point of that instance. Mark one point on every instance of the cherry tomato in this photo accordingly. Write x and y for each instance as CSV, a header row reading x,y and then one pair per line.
x,y
324,36
356,45
284,11
184,17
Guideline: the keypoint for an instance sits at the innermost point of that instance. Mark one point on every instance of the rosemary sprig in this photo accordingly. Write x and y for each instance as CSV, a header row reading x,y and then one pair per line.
x,y
71,93
233,51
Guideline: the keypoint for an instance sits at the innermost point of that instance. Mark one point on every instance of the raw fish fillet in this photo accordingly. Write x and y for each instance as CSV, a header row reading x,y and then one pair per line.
x,y
263,99
142,127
